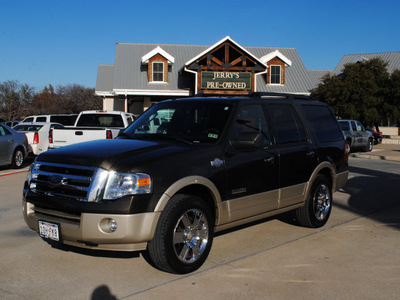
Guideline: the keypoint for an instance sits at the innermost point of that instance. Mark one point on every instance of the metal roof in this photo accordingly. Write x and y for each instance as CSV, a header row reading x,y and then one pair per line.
x,y
316,76
129,74
104,83
392,58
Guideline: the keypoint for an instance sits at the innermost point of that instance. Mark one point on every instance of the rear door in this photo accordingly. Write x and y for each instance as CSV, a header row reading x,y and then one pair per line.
x,y
297,154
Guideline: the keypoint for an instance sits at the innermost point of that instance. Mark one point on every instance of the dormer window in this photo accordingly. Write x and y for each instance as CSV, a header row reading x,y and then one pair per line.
x,y
158,71
277,63
158,62
275,74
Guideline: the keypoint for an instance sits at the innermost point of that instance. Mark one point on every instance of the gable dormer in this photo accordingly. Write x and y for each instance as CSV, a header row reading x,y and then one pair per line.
x,y
277,63
158,61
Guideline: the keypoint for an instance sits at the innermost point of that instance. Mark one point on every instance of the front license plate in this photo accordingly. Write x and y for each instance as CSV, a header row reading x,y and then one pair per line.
x,y
49,231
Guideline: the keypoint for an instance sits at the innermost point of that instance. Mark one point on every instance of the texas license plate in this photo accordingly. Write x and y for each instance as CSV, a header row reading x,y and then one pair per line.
x,y
49,230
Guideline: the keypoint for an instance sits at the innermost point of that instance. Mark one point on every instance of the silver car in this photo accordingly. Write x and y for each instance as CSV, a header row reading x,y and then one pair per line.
x,y
13,147
356,136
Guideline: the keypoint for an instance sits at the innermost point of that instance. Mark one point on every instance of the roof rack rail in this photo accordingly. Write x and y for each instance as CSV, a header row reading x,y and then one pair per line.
x,y
286,95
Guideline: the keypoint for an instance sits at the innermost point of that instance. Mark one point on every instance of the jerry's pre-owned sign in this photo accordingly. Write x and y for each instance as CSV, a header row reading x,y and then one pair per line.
x,y
225,81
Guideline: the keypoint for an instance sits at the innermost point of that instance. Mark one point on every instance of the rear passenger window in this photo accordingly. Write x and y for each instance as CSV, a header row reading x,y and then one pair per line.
x,y
324,123
287,124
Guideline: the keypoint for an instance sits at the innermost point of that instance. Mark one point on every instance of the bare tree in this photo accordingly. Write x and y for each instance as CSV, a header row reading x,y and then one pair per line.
x,y
13,98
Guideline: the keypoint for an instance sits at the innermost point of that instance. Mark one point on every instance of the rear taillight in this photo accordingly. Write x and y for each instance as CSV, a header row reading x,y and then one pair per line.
x,y
51,136
109,134
346,152
36,138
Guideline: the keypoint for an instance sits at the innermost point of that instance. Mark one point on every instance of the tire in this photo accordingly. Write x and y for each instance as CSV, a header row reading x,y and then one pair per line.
x,y
184,235
317,209
369,146
17,158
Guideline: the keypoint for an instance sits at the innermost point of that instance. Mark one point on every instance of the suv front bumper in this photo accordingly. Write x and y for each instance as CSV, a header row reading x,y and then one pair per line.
x,y
91,231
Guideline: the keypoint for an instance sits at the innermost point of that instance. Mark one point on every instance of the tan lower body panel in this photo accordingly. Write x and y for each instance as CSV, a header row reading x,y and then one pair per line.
x,y
254,205
91,230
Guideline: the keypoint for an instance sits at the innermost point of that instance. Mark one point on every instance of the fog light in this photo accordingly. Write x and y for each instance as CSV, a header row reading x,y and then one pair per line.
x,y
112,224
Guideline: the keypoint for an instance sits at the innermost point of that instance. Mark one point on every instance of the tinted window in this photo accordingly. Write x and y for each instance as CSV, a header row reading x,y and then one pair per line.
x,y
3,131
286,124
344,125
65,120
324,123
353,126
41,119
250,118
100,120
27,127
30,119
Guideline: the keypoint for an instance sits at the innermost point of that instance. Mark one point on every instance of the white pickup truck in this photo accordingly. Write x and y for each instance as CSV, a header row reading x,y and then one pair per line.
x,y
91,125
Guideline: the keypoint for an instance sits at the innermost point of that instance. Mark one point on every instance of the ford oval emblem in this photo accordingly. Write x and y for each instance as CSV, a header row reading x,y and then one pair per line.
x,y
56,179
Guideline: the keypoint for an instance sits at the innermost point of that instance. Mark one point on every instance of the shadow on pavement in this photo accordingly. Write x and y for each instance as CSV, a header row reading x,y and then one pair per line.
x,y
373,192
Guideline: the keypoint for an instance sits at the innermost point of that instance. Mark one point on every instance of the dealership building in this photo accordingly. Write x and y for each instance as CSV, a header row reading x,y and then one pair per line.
x,y
147,73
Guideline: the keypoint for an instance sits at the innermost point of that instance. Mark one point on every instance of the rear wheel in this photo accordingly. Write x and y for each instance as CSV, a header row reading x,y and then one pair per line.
x,y
183,236
369,146
317,209
17,159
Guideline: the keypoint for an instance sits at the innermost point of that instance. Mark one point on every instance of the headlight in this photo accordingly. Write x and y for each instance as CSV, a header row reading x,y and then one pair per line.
x,y
122,184
32,174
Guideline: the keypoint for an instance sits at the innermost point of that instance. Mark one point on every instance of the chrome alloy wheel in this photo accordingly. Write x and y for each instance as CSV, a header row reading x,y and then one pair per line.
x,y
322,202
18,158
190,236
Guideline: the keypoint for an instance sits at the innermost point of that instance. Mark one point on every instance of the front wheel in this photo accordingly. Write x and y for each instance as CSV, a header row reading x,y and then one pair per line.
x,y
183,236
317,209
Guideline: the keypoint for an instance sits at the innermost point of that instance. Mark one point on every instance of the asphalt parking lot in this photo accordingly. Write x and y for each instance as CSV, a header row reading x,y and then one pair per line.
x,y
355,256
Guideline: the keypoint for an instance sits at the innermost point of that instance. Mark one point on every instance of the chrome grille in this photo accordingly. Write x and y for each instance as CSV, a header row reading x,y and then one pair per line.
x,y
69,181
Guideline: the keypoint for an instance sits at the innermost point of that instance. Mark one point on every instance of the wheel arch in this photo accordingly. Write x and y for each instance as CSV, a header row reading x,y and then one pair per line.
x,y
19,147
193,185
326,169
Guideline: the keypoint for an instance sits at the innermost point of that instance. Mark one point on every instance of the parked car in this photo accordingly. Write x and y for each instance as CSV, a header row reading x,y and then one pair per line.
x,y
13,147
378,136
184,169
64,119
92,125
356,136
38,134
12,123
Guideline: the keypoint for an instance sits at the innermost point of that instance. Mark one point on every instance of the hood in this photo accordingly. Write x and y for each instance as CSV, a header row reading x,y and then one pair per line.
x,y
119,154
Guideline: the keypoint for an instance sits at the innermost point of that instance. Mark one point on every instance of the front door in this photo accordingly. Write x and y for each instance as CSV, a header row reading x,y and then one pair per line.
x,y
252,173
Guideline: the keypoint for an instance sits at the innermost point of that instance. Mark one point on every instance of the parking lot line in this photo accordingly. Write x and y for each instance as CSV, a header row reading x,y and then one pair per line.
x,y
13,173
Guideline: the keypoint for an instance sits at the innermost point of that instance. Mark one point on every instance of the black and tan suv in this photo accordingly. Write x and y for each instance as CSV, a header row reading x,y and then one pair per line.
x,y
186,169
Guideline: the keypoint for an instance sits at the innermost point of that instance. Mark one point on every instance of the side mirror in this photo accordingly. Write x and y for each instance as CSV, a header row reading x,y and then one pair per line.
x,y
248,140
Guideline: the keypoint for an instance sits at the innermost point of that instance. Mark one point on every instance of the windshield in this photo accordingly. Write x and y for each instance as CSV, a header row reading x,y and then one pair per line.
x,y
194,122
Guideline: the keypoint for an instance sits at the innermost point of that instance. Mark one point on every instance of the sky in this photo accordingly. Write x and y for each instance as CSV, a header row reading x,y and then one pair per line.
x,y
62,42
